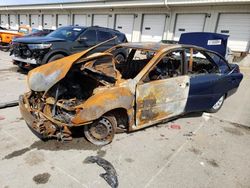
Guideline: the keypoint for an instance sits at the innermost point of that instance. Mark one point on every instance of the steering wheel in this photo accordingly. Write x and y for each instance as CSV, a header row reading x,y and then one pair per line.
x,y
161,74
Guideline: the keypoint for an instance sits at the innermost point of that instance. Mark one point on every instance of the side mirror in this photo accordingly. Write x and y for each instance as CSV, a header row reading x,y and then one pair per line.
x,y
82,39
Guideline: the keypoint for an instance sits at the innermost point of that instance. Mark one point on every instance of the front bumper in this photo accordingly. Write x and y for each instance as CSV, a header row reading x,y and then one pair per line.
x,y
28,60
31,121
41,124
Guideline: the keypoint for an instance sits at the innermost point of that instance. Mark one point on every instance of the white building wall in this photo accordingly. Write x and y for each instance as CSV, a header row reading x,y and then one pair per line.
x,y
212,14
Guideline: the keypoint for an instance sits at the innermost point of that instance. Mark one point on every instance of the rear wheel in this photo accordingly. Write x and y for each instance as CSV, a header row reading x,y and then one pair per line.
x,y
102,131
216,107
55,57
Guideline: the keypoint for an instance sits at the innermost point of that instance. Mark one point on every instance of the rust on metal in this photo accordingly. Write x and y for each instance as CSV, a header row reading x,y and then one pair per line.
x,y
80,89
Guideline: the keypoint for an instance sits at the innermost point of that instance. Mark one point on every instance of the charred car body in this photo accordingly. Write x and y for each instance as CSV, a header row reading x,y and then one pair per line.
x,y
31,52
106,96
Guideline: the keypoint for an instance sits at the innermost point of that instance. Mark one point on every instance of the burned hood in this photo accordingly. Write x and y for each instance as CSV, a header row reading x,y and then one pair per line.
x,y
44,77
29,39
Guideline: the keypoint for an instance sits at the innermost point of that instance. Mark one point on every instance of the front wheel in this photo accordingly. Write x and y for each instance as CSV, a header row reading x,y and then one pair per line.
x,y
102,131
216,107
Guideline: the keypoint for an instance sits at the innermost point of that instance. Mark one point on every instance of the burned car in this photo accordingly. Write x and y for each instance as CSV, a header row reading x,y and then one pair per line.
x,y
106,96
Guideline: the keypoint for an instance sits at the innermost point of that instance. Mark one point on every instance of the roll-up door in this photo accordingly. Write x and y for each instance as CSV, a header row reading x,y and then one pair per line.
x,y
237,26
153,27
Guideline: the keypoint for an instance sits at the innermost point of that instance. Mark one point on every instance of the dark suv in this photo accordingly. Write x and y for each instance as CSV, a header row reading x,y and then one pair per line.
x,y
34,51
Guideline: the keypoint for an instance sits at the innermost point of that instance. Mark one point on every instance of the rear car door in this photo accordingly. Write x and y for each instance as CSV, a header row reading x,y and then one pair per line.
x,y
103,35
207,83
163,91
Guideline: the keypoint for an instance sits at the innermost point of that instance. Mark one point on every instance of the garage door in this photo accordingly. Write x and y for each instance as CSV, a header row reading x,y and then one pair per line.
x,y
189,23
153,28
125,24
4,20
34,20
237,26
47,21
62,20
23,19
80,20
13,22
100,20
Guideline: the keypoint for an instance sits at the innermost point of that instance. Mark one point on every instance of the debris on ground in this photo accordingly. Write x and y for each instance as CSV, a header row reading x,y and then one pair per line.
x,y
189,134
2,118
9,104
41,178
110,176
175,126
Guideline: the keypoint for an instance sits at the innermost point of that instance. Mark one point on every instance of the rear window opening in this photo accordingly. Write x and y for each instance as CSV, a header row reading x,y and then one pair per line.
x,y
200,63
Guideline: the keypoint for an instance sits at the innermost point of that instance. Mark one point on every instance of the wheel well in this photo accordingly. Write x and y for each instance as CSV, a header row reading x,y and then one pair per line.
x,y
121,117
57,53
226,94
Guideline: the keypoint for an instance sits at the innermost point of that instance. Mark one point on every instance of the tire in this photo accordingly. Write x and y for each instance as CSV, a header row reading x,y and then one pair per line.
x,y
5,49
21,67
120,58
217,106
107,127
55,57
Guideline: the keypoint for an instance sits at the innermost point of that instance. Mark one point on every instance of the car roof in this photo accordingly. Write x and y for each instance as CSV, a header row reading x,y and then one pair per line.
x,y
104,28
72,26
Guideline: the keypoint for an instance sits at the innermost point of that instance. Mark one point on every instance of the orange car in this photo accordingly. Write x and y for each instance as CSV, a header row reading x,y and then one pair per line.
x,y
6,36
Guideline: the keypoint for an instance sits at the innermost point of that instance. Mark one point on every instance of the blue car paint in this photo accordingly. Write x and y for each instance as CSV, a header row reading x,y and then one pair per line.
x,y
201,92
206,89
203,39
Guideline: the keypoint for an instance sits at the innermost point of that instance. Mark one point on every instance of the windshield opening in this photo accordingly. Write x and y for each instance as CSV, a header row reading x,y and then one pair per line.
x,y
23,30
136,60
67,33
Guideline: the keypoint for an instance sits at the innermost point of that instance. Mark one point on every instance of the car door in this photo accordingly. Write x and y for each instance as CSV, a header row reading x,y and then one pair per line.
x,y
207,84
230,77
86,40
163,91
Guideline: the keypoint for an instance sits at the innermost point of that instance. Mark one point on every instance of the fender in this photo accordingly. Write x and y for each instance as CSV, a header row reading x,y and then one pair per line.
x,y
102,102
53,52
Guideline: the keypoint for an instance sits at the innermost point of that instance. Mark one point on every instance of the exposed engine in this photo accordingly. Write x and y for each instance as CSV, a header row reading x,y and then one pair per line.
x,y
58,104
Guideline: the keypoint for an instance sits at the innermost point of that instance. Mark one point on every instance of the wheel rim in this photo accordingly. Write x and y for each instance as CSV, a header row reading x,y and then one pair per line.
x,y
119,58
218,104
100,132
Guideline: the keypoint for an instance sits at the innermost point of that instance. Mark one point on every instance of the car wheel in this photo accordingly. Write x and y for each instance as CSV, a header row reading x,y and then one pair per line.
x,y
5,49
120,58
56,57
102,131
216,107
